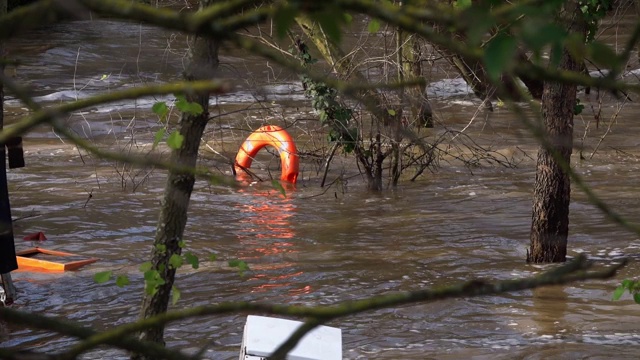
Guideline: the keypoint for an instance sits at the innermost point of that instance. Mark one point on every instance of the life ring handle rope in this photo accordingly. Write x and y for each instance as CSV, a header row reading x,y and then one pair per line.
x,y
277,137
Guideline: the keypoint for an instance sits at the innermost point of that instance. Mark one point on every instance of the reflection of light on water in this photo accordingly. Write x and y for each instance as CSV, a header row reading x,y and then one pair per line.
x,y
267,239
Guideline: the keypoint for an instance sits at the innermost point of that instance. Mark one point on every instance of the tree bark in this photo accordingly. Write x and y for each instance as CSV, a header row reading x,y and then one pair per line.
x,y
173,213
8,260
552,190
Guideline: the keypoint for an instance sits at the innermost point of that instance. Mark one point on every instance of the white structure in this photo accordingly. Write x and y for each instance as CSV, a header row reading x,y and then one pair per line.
x,y
263,335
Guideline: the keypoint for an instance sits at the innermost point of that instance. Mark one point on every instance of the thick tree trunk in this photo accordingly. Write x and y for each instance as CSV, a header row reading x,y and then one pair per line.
x,y
173,213
550,219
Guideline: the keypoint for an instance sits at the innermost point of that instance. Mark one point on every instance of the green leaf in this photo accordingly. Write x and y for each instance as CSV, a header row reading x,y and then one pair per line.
x,y
462,4
175,295
161,248
617,294
636,298
537,35
627,284
145,266
556,54
374,26
122,280
194,108
391,112
241,265
104,77
175,261
102,277
161,109
213,257
192,260
175,140
152,280
330,24
278,186
604,55
283,19
158,137
499,55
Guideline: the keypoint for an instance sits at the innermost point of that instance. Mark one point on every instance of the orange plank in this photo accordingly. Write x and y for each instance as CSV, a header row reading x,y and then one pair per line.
x,y
44,260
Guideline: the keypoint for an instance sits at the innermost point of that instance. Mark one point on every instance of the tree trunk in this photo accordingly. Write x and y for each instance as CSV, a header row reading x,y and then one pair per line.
x,y
173,213
550,219
8,260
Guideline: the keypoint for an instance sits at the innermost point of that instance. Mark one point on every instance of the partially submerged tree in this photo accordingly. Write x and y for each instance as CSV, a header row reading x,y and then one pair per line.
x,y
169,239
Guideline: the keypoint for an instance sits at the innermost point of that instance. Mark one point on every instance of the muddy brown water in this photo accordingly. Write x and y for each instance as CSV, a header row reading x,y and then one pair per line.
x,y
310,247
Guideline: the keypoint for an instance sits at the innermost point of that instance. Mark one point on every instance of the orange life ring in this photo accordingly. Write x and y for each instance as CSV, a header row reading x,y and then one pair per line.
x,y
270,135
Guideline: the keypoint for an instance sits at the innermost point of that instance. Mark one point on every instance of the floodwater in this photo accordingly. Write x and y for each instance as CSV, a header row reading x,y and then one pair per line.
x,y
315,246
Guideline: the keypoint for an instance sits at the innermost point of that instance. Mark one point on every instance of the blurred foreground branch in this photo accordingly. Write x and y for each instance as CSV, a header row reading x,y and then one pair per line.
x,y
580,269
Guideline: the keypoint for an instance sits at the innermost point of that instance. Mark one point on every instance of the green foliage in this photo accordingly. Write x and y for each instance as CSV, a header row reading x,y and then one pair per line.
x,y
374,26
278,186
594,11
122,281
175,261
499,55
240,264
632,286
462,4
187,107
283,19
175,140
102,277
175,295
162,110
192,260
153,278
578,107
324,100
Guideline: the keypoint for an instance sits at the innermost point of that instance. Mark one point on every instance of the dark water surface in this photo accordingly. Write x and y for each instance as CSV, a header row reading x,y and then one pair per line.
x,y
311,248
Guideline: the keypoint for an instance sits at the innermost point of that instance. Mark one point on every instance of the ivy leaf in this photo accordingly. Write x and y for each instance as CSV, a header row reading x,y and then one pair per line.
x,y
175,140
278,186
175,261
192,260
499,55
122,281
102,277
374,26
175,295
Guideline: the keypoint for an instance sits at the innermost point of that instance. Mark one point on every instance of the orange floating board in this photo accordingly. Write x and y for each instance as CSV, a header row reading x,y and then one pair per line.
x,y
43,260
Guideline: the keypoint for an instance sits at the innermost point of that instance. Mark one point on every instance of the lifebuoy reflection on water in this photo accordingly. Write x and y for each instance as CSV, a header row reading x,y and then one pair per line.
x,y
270,135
